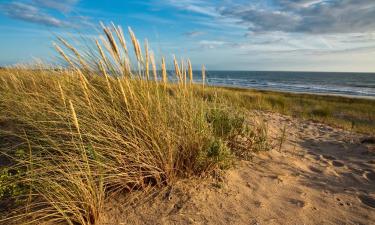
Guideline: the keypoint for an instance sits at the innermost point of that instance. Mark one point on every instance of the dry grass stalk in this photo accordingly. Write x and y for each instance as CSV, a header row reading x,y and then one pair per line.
x,y
164,72
74,117
61,93
106,79
127,69
139,51
121,38
152,58
112,41
62,53
135,43
147,60
183,69
123,92
76,53
177,70
109,49
190,70
101,52
203,75
84,82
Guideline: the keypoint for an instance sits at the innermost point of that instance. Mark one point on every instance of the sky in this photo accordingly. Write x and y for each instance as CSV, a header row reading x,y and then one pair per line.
x,y
271,35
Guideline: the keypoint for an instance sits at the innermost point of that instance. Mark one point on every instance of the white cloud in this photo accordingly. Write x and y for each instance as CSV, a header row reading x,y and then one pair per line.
x,y
211,44
30,13
45,12
194,33
196,6
61,5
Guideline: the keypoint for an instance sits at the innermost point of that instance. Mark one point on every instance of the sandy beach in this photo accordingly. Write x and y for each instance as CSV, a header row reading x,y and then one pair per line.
x,y
321,175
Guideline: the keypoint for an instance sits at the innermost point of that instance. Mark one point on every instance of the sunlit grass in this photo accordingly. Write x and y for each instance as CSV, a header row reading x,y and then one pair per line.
x,y
74,137
352,114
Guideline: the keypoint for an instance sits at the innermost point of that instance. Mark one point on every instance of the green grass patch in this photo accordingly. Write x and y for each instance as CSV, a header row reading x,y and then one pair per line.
x,y
354,114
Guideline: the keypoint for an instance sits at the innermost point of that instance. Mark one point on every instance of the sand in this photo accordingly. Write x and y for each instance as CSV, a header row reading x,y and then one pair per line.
x,y
321,175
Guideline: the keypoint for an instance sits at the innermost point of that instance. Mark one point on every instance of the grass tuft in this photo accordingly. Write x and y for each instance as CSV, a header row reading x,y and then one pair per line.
x,y
98,127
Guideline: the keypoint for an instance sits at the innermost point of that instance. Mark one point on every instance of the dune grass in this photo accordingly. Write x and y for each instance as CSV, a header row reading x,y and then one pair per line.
x,y
72,138
352,114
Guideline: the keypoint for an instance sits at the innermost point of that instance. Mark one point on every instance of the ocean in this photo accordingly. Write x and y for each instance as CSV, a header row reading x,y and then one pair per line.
x,y
346,84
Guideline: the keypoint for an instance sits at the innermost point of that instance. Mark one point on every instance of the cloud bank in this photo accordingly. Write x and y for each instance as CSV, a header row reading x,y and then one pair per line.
x,y
294,16
43,12
307,16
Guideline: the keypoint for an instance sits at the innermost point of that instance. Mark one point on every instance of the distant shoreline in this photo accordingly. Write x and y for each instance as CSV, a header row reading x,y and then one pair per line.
x,y
295,92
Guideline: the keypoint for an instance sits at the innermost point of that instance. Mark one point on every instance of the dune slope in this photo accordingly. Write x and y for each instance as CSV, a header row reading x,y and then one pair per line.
x,y
321,175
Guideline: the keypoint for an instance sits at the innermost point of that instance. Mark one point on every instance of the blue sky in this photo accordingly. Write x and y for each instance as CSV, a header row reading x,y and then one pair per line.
x,y
293,35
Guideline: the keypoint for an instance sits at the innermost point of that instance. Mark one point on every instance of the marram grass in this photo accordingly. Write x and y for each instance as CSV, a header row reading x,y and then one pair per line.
x,y
74,137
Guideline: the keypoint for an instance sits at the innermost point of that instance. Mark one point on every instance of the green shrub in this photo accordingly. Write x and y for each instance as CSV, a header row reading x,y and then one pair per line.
x,y
225,124
9,187
240,138
216,154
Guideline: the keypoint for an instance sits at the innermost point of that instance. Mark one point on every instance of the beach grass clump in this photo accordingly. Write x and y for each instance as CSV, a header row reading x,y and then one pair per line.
x,y
242,138
100,126
217,155
353,114
224,123
321,112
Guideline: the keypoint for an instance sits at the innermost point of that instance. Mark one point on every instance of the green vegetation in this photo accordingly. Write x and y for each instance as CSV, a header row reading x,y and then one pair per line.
x,y
352,114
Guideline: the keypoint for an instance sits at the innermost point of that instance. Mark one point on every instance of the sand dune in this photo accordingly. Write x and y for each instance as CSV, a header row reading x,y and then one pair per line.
x,y
321,175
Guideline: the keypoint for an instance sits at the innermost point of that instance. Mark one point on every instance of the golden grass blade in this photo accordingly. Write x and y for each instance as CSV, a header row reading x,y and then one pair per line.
x,y
62,93
120,37
147,60
112,41
74,117
135,44
62,53
177,70
106,79
122,40
109,49
190,69
183,69
203,75
152,58
84,82
164,72
127,68
76,53
101,52
123,92
139,51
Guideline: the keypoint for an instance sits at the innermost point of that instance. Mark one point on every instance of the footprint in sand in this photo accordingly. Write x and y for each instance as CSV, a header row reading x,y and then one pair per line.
x,y
342,203
367,200
337,164
369,175
315,170
297,203
327,157
258,204
312,156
